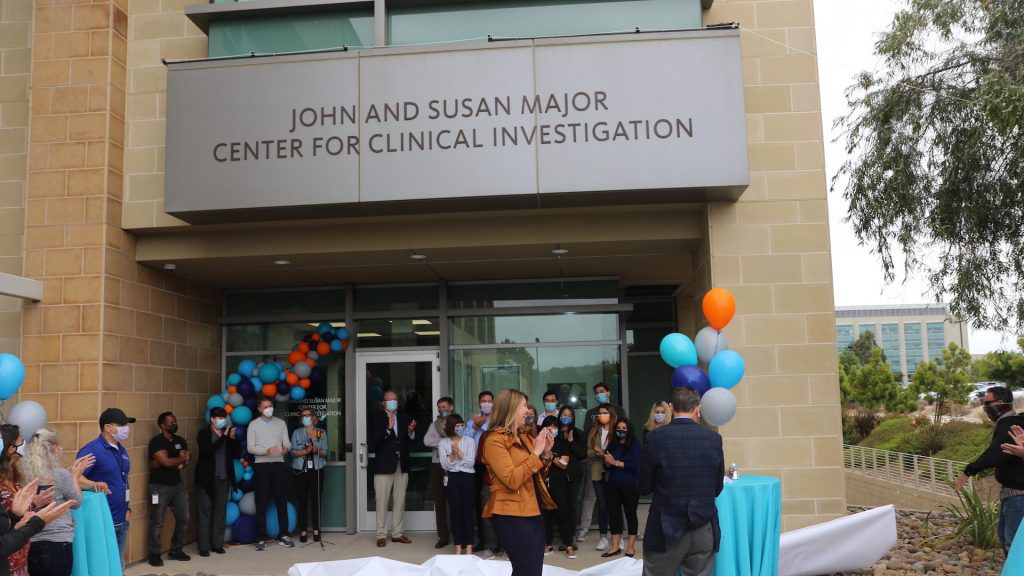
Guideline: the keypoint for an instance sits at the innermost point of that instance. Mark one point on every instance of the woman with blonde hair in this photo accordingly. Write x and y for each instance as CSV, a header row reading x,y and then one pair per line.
x,y
660,416
518,492
50,554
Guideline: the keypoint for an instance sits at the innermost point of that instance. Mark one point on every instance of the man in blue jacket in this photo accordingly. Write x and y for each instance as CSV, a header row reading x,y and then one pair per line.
x,y
682,464
112,467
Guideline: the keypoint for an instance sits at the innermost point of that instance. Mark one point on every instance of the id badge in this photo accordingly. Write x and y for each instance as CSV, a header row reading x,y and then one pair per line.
x,y
445,483
127,494
309,464
156,498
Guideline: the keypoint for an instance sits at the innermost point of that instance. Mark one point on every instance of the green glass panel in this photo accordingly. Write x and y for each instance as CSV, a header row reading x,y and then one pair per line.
x,y
325,301
292,33
334,498
650,381
529,18
475,330
398,332
540,293
396,298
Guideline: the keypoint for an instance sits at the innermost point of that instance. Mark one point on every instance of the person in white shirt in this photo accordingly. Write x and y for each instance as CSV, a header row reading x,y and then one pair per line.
x,y
267,440
550,406
457,455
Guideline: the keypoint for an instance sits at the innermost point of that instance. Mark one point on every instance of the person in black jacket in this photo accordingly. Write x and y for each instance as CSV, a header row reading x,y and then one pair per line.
x,y
566,476
998,404
215,472
18,525
389,437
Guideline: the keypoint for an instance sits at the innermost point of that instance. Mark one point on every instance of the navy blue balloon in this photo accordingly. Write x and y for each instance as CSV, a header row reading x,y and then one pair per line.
x,y
244,486
691,376
244,529
317,375
240,432
283,388
246,389
327,337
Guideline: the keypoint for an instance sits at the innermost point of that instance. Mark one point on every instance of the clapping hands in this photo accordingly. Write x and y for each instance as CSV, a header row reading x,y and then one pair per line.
x,y
1015,448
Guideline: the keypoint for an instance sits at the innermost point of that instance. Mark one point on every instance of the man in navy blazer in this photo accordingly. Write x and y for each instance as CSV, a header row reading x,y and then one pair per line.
x,y
390,436
682,464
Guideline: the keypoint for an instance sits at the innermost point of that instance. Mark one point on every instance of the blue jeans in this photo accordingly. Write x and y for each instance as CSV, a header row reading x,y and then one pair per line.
x,y
121,532
602,507
1011,511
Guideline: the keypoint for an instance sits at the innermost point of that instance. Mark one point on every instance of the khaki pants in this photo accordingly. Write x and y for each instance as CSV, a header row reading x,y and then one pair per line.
x,y
384,485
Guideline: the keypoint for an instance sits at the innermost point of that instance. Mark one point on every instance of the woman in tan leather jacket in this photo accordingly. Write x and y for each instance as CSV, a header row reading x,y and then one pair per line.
x,y
518,492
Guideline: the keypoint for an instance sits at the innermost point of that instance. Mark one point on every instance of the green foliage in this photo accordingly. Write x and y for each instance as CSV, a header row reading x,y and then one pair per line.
x,y
1005,366
959,441
858,425
871,383
891,434
976,518
944,379
936,150
863,347
965,441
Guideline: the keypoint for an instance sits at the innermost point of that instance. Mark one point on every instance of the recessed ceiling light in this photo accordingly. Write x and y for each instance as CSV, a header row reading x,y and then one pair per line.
x,y
417,256
170,266
282,262
559,251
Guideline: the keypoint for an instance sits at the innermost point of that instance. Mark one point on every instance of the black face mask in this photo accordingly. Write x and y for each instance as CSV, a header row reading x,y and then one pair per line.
x,y
173,428
996,409
530,420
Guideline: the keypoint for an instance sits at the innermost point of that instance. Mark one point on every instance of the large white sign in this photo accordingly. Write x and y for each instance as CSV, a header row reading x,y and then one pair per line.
x,y
540,121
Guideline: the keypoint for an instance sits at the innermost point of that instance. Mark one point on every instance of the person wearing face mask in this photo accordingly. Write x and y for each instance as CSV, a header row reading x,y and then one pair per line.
x,y
621,460
309,456
550,405
10,485
168,456
477,428
390,436
435,433
603,395
215,474
457,454
658,417
112,468
267,440
600,436
531,423
998,405
565,477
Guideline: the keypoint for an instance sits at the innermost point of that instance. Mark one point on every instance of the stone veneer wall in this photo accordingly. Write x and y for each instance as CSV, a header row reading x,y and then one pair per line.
x,y
771,249
108,332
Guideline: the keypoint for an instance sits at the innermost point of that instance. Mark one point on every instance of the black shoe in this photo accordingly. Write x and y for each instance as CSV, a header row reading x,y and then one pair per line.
x,y
561,548
204,553
316,537
218,551
302,537
443,542
178,555
155,560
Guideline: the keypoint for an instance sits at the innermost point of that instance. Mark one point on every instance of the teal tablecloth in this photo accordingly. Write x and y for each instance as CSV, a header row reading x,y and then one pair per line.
x,y
94,546
1015,561
750,513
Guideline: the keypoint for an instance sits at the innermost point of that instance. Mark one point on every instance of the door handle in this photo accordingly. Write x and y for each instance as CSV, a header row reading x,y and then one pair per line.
x,y
362,456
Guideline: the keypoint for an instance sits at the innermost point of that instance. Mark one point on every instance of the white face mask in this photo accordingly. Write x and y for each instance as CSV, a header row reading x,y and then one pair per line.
x,y
268,412
659,417
485,407
21,450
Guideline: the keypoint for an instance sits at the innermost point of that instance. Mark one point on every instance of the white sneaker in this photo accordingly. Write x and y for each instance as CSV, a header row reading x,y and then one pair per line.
x,y
500,556
485,554
549,550
602,544
581,534
622,544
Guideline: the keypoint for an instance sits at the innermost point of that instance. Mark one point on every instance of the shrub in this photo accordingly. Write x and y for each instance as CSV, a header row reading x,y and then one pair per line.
x,y
965,441
892,434
976,518
858,425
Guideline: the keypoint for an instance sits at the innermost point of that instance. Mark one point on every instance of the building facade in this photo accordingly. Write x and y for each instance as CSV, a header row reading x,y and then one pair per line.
x,y
150,180
908,334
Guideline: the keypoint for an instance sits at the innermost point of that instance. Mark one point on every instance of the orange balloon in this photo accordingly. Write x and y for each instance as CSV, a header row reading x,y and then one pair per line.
x,y
311,362
296,356
305,383
232,389
292,378
344,344
304,348
270,390
315,336
719,307
323,349
228,408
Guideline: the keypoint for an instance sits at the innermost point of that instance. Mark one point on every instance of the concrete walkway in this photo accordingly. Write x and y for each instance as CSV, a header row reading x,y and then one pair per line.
x,y
276,560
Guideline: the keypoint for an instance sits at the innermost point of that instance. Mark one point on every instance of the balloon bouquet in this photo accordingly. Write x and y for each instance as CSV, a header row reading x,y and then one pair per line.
x,y
242,392
27,415
724,367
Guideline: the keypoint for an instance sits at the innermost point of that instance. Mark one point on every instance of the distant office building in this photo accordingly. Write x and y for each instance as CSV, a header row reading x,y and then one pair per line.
x,y
908,334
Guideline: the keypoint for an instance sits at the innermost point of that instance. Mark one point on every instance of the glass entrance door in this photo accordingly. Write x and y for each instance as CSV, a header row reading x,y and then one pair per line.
x,y
415,378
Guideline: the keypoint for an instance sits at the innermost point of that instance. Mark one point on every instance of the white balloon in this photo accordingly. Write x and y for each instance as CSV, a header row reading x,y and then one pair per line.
x,y
28,416
710,342
236,399
247,504
227,534
302,369
717,406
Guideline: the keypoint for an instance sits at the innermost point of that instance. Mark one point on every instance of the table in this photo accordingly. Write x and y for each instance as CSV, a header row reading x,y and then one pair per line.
x,y
750,514
1015,561
95,545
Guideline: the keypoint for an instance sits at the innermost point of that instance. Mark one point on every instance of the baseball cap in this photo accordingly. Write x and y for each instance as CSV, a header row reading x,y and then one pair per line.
x,y
115,416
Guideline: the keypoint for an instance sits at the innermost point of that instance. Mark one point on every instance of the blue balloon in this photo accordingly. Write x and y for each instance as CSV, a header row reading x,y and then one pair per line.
x,y
239,468
246,389
247,476
324,327
272,526
215,401
206,416
244,485
236,495
342,333
270,373
245,367
335,345
244,529
240,432
283,388
232,513
241,416
691,376
678,350
234,379
726,369
12,375
298,392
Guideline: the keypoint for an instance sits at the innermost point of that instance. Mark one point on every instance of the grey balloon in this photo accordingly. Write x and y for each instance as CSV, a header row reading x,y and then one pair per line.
x,y
247,505
28,416
236,399
710,342
302,369
313,356
228,537
717,406
282,398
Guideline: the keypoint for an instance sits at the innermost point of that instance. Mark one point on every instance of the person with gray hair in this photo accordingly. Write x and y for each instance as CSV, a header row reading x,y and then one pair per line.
x,y
50,553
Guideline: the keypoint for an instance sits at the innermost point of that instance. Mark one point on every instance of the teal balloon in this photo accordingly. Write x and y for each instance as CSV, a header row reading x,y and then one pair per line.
x,y
272,526
678,350
12,375
245,367
236,494
269,373
215,401
241,416
234,378
336,345
239,468
726,369
232,513
324,327
298,392
342,333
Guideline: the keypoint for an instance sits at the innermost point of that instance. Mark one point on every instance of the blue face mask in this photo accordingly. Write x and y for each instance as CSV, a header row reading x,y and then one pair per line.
x,y
221,423
554,434
602,398
565,421
391,405
459,430
307,420
550,406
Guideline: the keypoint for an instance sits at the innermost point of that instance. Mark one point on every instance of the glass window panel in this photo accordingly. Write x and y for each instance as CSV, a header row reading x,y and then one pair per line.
x,y
469,330
844,336
398,332
244,337
653,311
650,381
913,346
646,339
291,33
891,345
865,328
540,293
291,302
936,338
396,298
277,336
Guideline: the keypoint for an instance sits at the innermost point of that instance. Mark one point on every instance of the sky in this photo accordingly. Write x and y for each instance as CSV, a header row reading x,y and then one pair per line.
x,y
846,33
